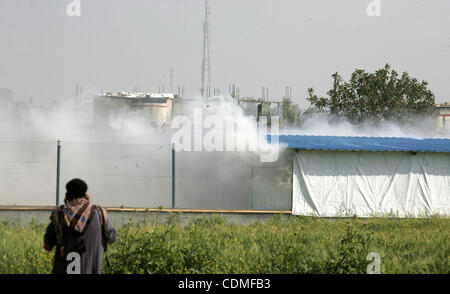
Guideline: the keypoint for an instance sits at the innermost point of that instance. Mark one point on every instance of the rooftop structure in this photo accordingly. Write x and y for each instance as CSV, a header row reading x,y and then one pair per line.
x,y
343,143
122,94
160,107
443,105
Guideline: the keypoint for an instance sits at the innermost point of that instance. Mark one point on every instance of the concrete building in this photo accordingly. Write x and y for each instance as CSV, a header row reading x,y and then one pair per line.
x,y
159,107
444,115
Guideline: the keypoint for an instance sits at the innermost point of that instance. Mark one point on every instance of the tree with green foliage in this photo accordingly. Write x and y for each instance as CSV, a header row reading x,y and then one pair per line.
x,y
383,95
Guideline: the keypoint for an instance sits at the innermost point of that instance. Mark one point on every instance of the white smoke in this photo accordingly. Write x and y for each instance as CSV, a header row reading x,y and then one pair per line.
x,y
236,125
324,124
74,119
126,159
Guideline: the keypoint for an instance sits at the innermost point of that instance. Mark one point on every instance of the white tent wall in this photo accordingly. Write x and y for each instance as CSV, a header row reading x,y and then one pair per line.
x,y
337,183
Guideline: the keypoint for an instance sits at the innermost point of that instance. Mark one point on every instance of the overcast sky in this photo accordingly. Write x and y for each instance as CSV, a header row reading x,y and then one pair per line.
x,y
115,45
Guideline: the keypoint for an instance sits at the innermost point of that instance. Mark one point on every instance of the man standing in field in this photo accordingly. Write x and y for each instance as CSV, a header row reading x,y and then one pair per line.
x,y
78,229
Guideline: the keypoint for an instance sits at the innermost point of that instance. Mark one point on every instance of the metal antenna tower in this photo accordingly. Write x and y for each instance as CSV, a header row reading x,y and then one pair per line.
x,y
206,67
171,78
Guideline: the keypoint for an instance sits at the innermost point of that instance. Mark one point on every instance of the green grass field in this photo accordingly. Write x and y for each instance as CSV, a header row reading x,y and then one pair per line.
x,y
298,245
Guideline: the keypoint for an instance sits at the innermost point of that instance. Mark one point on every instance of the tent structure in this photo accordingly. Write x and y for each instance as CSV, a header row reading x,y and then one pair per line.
x,y
369,176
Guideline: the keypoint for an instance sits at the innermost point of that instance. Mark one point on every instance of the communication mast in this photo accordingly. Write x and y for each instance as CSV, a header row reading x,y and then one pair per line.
x,y
206,67
171,78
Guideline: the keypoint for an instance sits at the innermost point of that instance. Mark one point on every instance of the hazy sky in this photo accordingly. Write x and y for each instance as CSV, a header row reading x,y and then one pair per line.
x,y
115,45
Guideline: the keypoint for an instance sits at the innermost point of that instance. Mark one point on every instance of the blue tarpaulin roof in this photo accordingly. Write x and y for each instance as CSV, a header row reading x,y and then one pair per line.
x,y
342,143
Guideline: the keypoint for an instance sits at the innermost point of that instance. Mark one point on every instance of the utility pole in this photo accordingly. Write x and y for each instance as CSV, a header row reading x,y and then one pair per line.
x,y
206,66
58,169
173,175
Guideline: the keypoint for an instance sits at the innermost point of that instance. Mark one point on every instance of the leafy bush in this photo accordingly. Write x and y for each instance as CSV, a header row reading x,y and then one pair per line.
x,y
351,253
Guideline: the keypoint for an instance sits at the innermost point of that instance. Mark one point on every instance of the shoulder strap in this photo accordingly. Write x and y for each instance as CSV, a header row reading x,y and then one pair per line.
x,y
58,221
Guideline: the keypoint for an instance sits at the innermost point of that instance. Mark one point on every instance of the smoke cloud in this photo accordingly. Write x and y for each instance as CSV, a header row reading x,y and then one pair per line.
x,y
126,160
328,125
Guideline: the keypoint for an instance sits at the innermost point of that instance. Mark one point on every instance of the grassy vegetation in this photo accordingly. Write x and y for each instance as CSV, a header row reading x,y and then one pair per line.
x,y
299,245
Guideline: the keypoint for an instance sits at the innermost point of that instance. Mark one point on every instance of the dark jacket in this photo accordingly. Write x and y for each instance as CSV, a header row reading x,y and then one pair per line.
x,y
88,245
